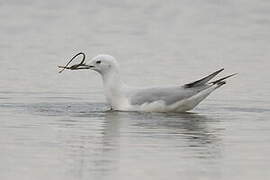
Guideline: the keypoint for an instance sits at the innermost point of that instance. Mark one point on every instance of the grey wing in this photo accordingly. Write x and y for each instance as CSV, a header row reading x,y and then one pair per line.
x,y
171,95
168,95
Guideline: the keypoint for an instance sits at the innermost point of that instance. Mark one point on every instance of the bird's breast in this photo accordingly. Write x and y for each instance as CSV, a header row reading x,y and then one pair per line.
x,y
116,99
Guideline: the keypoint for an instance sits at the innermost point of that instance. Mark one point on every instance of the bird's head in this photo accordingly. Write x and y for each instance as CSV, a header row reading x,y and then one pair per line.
x,y
101,63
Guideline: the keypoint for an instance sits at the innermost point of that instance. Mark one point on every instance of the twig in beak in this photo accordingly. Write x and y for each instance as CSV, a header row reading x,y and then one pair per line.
x,y
74,66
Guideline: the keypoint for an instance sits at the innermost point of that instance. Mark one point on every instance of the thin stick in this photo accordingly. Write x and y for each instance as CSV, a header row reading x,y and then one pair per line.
x,y
66,66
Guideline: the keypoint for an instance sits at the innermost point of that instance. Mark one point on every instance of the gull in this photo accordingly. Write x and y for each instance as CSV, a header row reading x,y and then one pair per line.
x,y
178,98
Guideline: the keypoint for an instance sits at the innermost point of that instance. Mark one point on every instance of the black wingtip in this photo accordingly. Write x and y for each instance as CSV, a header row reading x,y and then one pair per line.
x,y
221,70
203,80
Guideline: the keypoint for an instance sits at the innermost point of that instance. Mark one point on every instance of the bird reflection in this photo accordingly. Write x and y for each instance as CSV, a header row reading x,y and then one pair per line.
x,y
196,130
98,150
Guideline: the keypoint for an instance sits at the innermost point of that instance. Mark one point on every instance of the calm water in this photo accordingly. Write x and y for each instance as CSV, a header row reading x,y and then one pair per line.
x,y
58,127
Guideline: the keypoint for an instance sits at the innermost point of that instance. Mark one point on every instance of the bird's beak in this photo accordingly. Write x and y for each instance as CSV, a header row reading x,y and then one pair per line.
x,y
80,66
76,67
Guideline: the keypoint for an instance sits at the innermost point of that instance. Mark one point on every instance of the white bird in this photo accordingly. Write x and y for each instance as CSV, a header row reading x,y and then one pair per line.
x,y
154,99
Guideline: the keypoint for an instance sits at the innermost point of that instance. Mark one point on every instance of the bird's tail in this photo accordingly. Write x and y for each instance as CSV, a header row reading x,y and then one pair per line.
x,y
221,81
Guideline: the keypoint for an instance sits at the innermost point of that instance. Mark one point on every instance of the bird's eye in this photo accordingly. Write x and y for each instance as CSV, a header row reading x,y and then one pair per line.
x,y
98,62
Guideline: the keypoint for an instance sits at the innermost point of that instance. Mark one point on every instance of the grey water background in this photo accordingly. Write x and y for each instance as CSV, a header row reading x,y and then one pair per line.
x,y
56,126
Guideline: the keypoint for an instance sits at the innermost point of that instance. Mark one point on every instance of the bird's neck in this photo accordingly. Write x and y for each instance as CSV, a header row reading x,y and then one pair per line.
x,y
113,86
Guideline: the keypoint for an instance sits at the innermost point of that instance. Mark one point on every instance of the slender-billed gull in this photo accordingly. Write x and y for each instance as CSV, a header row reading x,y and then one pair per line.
x,y
154,99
